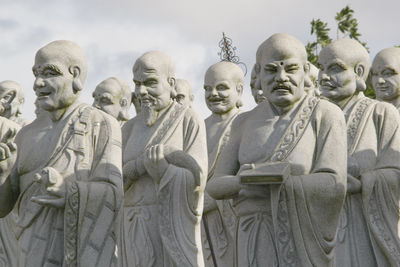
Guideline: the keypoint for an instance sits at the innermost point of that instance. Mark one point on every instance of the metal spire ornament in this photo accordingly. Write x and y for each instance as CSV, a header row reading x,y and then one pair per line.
x,y
228,52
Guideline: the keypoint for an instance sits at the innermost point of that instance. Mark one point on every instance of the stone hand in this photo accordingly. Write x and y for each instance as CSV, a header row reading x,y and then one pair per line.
x,y
245,167
352,167
154,161
8,154
353,185
55,188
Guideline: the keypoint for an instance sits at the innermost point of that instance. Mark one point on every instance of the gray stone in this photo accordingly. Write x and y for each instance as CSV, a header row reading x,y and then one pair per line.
x,y
165,169
67,181
184,92
368,229
11,101
293,223
113,96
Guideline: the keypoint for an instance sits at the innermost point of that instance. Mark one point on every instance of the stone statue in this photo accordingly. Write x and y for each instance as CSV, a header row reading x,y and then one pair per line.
x,y
184,92
385,76
136,102
67,179
113,96
368,229
11,101
255,87
311,82
284,166
8,241
223,85
165,169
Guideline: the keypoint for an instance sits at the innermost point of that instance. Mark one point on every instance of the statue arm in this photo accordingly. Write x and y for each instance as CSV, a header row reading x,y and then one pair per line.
x,y
225,183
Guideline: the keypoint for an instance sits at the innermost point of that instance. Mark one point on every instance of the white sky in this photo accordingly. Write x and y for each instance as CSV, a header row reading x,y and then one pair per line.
x,y
114,33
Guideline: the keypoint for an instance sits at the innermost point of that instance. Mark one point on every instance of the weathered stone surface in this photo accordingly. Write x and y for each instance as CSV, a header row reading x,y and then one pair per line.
x,y
293,223
67,180
368,229
385,76
113,96
223,86
11,101
184,92
165,169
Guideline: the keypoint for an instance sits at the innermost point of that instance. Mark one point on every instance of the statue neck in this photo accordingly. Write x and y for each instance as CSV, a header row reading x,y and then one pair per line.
x,y
226,115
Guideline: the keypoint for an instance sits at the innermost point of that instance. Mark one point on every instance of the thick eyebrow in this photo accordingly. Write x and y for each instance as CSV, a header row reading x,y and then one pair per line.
x,y
292,65
340,64
390,69
47,67
270,65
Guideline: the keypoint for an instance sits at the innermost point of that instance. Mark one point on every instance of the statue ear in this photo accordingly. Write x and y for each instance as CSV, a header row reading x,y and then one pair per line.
x,y
76,83
257,68
359,69
171,81
239,88
307,68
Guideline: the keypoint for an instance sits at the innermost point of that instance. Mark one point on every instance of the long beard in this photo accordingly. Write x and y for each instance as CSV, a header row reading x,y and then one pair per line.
x,y
149,114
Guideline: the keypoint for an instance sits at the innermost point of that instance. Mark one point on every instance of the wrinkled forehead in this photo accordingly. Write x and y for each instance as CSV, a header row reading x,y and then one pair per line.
x,y
6,87
344,52
48,57
108,86
387,59
285,52
150,66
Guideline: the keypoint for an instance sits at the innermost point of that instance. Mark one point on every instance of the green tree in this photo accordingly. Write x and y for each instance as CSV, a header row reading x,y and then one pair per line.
x,y
347,27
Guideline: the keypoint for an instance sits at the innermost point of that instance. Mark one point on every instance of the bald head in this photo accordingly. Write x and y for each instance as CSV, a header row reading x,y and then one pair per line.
x,y
223,85
113,96
184,92
385,75
281,46
65,52
155,61
227,70
348,51
12,98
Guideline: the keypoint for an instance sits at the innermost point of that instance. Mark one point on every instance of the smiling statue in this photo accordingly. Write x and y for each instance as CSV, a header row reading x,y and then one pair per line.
x,y
67,180
223,87
283,166
165,169
368,233
385,76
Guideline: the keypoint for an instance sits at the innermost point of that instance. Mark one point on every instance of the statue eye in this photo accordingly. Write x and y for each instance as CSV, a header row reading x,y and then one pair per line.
x,y
222,87
270,69
292,69
389,72
150,82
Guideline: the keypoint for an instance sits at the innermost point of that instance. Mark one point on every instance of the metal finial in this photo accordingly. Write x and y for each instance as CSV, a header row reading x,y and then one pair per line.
x,y
228,52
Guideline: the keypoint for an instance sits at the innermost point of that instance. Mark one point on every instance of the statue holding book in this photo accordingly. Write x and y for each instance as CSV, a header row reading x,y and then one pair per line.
x,y
284,166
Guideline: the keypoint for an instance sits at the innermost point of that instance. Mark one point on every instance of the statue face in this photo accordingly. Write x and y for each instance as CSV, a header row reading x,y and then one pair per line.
x,y
221,92
151,86
282,79
8,101
337,77
53,83
107,97
386,76
183,96
257,93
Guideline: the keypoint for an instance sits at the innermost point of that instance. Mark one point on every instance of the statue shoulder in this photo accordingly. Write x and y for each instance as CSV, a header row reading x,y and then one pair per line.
x,y
326,110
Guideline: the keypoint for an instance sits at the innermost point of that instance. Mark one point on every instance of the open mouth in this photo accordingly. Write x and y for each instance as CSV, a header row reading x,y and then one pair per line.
x,y
281,88
43,94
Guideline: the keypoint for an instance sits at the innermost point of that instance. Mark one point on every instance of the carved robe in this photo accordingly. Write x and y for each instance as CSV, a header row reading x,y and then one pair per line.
x,y
162,221
84,146
219,223
294,223
368,233
8,242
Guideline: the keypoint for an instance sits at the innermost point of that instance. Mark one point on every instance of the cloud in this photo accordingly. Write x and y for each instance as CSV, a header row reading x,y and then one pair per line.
x,y
114,33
